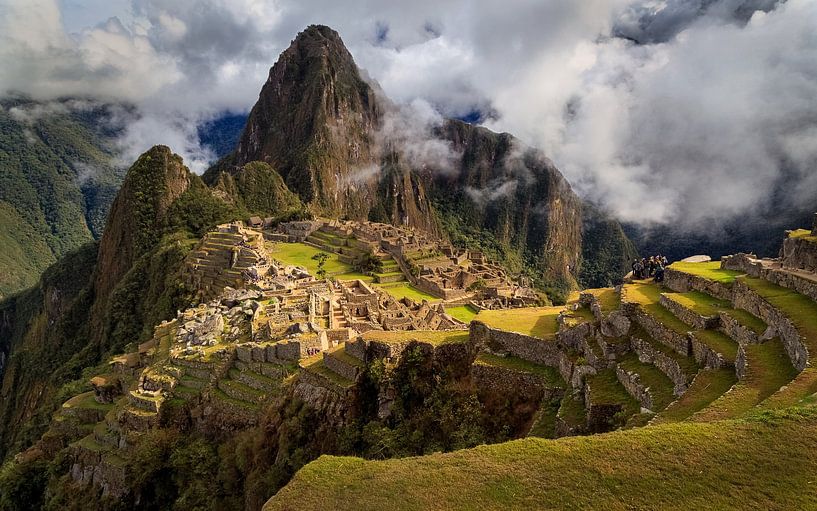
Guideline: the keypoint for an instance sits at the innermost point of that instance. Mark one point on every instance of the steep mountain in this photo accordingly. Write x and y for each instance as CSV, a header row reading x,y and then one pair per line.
x,y
57,181
347,152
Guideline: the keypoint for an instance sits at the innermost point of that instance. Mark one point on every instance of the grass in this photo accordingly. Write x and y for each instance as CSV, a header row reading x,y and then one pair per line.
x,y
700,303
670,467
464,313
300,254
572,411
800,309
537,322
769,368
647,296
746,319
433,337
708,386
660,385
719,343
550,375
803,234
607,297
86,400
544,422
687,364
801,388
222,396
339,353
406,290
317,366
606,389
709,270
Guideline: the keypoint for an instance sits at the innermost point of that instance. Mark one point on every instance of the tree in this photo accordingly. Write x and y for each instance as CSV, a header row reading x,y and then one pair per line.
x,y
321,257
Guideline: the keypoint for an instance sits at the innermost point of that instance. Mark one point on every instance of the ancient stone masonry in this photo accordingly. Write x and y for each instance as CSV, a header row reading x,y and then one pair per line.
x,y
409,254
683,282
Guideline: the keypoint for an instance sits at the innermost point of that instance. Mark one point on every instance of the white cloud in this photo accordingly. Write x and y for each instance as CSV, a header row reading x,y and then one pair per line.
x,y
701,121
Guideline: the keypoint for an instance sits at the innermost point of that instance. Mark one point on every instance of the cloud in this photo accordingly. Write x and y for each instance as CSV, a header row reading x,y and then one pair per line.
x,y
664,111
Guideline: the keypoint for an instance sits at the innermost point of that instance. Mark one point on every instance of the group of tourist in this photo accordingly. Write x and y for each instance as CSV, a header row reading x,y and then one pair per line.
x,y
312,351
650,267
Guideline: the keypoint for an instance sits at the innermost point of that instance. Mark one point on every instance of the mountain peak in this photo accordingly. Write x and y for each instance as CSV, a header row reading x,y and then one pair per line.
x,y
313,119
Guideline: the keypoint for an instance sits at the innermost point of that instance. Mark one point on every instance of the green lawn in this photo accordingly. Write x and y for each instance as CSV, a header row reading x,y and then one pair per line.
x,y
764,463
769,368
710,270
404,290
464,313
606,389
300,254
607,297
700,303
708,386
719,343
549,374
534,321
434,337
647,296
660,385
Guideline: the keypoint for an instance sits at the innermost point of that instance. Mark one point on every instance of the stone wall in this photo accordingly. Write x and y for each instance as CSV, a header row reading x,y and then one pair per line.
x,y
341,367
678,342
632,384
748,300
799,253
538,351
801,284
503,382
683,282
745,263
600,417
688,316
731,327
706,356
667,365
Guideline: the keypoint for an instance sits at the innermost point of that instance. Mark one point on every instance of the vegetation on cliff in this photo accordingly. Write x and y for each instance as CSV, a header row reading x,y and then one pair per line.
x,y
56,186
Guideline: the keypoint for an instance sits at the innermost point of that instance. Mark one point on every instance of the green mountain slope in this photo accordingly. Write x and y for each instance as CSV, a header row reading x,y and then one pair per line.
x,y
678,466
57,181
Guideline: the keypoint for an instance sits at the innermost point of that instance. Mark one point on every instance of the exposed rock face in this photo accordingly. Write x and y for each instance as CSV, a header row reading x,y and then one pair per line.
x,y
313,123
321,126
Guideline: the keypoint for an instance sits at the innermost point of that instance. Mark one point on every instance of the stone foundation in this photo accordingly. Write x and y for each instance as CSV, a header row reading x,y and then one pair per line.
x,y
684,282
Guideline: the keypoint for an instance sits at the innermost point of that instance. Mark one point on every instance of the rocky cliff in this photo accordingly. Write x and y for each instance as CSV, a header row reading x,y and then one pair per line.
x,y
348,152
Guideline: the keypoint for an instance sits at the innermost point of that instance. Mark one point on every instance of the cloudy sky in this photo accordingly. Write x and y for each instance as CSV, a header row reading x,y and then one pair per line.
x,y
662,110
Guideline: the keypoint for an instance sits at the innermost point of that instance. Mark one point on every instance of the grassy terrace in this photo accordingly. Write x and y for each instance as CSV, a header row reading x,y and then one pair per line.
x,y
660,386
719,343
803,234
700,303
86,400
746,319
800,390
687,364
607,297
572,410
534,321
404,289
606,389
708,386
647,296
677,468
433,337
464,313
318,367
300,254
550,375
769,369
710,270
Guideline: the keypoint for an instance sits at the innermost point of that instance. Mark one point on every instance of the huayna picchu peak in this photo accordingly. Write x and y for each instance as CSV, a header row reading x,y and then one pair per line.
x,y
367,306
